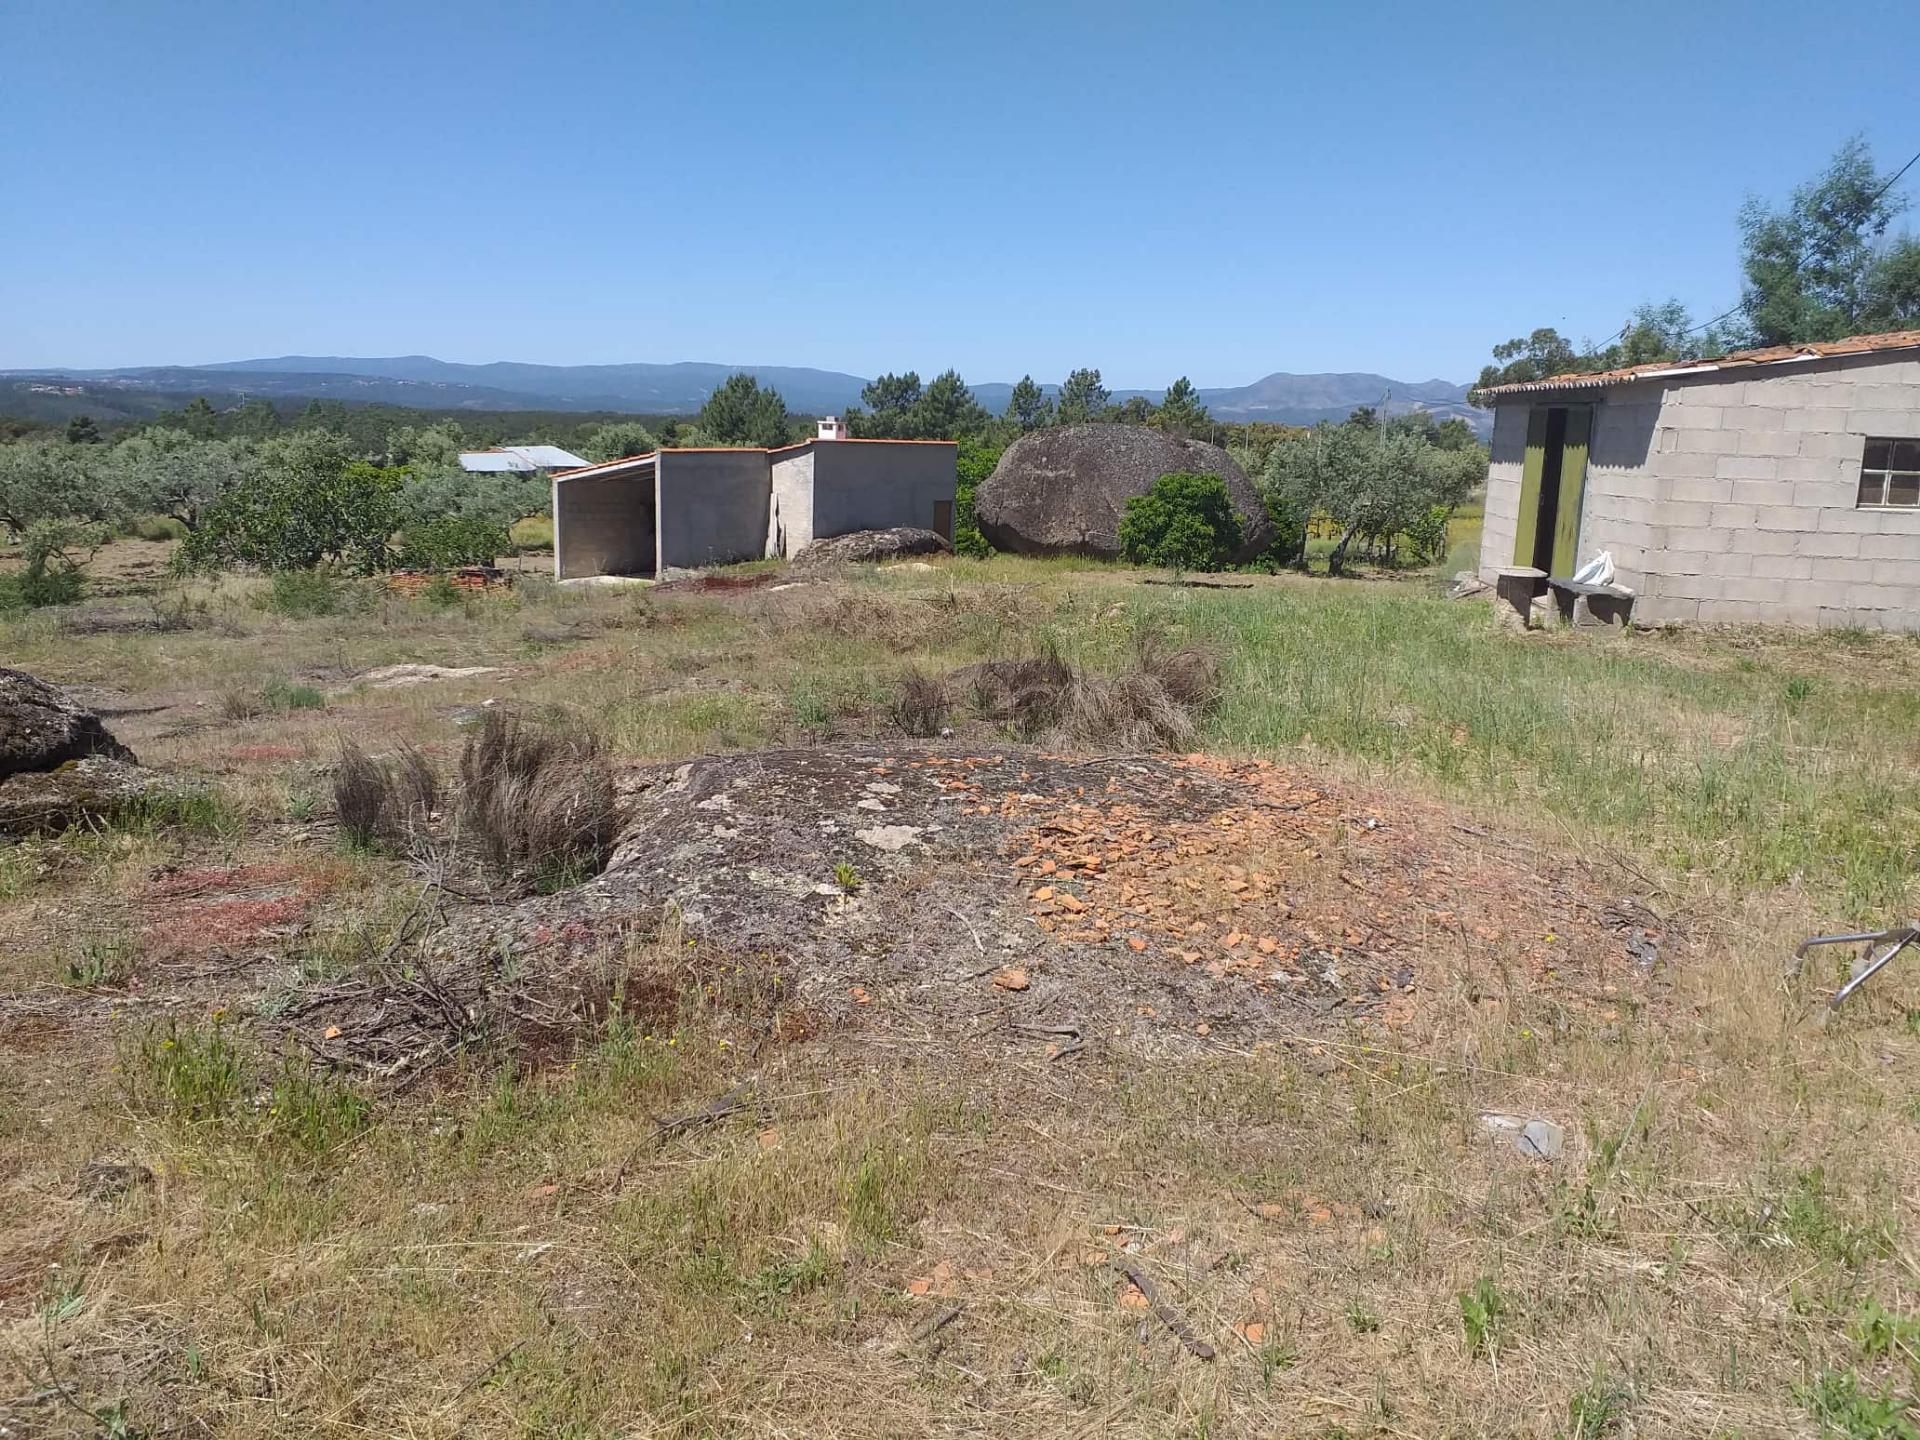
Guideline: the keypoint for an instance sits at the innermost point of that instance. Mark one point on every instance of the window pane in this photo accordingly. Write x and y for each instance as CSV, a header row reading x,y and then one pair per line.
x,y
1877,457
1903,488
1906,455
1872,487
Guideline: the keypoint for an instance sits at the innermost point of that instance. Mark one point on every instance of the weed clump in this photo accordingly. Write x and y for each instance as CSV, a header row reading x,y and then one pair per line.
x,y
922,707
1155,704
379,801
538,798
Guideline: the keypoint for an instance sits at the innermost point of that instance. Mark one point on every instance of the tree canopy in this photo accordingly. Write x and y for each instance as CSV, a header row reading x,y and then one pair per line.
x,y
743,412
1821,267
1082,398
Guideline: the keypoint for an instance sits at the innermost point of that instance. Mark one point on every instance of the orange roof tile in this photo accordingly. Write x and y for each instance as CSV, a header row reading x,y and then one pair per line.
x,y
1736,360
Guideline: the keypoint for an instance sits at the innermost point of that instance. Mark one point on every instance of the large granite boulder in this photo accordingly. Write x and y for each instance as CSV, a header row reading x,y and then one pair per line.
x,y
97,788
41,728
1064,489
871,547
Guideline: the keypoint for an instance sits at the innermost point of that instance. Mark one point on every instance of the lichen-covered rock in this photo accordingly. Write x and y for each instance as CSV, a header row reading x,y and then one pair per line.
x,y
867,547
41,728
39,802
1064,489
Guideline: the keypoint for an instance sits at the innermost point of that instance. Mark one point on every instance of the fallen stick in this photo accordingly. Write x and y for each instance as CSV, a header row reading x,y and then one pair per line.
x,y
1169,1317
938,1323
734,1100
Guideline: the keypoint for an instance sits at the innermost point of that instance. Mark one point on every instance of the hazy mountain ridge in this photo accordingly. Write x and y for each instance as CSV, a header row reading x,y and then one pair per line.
x,y
660,389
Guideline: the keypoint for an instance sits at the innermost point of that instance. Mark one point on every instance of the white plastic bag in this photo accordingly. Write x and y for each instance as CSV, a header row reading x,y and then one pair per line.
x,y
1597,571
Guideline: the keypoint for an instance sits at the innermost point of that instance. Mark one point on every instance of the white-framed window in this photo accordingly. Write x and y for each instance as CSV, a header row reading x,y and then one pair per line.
x,y
1890,474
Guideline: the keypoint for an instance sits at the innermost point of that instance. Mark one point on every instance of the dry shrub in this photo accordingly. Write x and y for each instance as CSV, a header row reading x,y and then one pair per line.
x,y
922,706
1156,704
538,798
381,800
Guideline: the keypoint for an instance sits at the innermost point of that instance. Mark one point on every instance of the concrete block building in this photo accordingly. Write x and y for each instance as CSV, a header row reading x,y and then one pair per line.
x,y
671,509
1778,485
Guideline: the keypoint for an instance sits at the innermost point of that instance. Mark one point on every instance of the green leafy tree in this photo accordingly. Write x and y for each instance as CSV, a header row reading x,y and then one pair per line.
x,y
947,410
199,419
1823,267
617,440
49,480
1028,406
303,500
1527,358
447,542
1185,522
255,420
1083,398
1181,412
743,412
1378,484
82,431
888,408
437,445
1134,410
972,465
168,472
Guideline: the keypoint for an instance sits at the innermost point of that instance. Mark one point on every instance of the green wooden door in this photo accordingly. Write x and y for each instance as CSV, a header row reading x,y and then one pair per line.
x,y
1573,483
1530,473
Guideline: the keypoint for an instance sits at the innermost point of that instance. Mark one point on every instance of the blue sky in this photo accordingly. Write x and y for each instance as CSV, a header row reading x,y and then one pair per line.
x,y
1208,189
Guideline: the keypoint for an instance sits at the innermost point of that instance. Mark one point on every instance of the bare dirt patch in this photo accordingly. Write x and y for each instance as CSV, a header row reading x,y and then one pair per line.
x,y
1174,901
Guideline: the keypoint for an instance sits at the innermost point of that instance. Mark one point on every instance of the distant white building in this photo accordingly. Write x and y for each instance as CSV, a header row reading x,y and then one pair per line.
x,y
519,459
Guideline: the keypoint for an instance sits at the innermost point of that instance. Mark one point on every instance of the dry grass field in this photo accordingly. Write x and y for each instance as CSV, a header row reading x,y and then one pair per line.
x,y
883,1148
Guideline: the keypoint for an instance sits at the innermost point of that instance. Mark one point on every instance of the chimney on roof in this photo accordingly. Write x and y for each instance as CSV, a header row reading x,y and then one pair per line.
x,y
832,427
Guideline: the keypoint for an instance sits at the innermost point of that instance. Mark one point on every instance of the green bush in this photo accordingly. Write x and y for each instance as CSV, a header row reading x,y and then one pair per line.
x,y
301,502
154,527
974,464
447,542
29,590
302,594
1186,522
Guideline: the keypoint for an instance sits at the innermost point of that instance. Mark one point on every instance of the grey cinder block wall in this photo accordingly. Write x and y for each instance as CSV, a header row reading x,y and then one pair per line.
x,y
1732,495
689,508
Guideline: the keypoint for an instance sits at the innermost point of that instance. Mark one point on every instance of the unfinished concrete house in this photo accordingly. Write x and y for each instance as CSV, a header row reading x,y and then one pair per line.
x,y
673,509
1778,485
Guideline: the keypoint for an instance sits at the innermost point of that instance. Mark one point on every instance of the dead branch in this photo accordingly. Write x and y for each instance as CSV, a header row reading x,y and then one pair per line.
x,y
1169,1317
736,1099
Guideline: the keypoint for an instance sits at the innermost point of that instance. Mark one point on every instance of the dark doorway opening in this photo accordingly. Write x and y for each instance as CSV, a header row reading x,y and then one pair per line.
x,y
1552,458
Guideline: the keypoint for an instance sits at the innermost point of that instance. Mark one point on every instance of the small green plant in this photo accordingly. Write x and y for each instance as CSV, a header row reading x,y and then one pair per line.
x,y
1846,1408
847,878
312,1112
303,594
192,1073
811,712
100,964
1482,1315
1799,687
1276,1356
877,1191
1600,1408
778,1282
197,809
278,694
1880,1332
441,593
1363,1320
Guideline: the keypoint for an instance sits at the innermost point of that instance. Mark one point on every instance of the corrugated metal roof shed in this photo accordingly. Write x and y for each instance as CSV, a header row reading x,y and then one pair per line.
x,y
519,458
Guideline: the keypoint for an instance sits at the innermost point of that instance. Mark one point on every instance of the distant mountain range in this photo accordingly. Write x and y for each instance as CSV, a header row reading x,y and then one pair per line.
x,y
423,382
